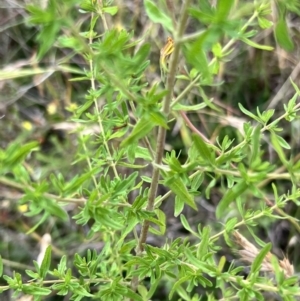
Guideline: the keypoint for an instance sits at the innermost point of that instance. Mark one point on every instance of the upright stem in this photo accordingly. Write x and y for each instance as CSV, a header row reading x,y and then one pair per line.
x,y
93,86
162,133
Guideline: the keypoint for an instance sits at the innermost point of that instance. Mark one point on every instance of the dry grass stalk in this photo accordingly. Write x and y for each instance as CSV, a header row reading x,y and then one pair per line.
x,y
249,252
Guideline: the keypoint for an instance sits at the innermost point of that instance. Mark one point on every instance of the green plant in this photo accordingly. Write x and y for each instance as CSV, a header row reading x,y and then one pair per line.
x,y
122,164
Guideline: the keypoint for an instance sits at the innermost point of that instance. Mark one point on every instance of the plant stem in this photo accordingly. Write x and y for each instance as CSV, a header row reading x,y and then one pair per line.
x,y
162,131
162,134
112,163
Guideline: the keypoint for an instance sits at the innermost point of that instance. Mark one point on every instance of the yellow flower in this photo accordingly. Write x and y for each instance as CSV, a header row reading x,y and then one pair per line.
x,y
165,54
27,125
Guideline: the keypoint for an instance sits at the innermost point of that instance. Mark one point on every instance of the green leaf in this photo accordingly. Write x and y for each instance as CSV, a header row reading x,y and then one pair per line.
x,y
223,9
153,288
230,196
282,35
248,113
16,153
35,290
203,246
207,101
208,188
162,219
179,189
202,265
157,16
141,129
257,239
139,202
264,23
46,263
41,221
125,184
196,56
282,142
39,16
73,43
141,55
175,165
278,270
132,295
203,150
87,6
177,285
24,72
255,139
278,148
295,87
180,107
54,209
47,37
221,263
107,218
158,119
142,152
197,181
78,181
255,267
186,225
32,274
256,45
178,206
112,10
230,224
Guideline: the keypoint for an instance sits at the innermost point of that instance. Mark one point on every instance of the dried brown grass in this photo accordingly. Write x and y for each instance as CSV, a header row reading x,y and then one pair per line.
x,y
248,253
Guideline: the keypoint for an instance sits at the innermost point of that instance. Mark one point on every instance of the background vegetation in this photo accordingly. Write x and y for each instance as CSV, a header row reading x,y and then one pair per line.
x,y
138,160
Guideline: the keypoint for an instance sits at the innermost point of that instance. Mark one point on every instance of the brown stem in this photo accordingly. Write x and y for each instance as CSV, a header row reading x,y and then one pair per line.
x,y
161,136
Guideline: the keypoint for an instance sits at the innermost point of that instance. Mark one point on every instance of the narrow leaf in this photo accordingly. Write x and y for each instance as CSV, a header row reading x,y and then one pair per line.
x,y
202,265
158,119
203,150
132,295
256,45
41,221
180,107
157,16
178,206
203,246
186,224
248,113
179,189
260,258
255,144
112,10
282,35
36,291
282,142
46,263
196,53
16,153
177,285
278,148
141,129
230,196
223,9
